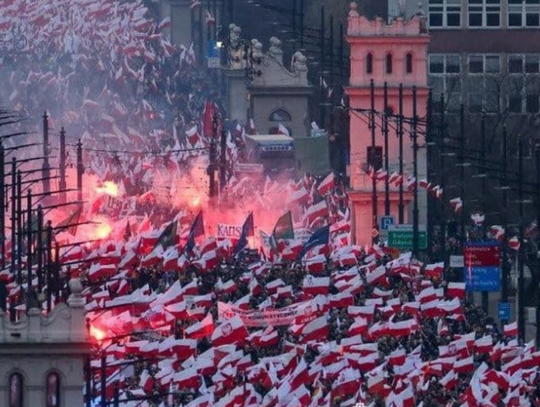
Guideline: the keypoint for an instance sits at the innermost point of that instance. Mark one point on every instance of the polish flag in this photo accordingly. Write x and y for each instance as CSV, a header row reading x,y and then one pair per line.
x,y
465,365
376,275
316,211
395,179
511,329
201,329
397,357
457,204
359,327
316,264
434,270
316,330
484,344
232,331
327,184
270,337
424,183
381,175
316,285
455,290
188,378
283,130
399,329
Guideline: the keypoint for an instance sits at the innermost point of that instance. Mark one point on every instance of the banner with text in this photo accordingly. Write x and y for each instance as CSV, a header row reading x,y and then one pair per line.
x,y
232,232
274,317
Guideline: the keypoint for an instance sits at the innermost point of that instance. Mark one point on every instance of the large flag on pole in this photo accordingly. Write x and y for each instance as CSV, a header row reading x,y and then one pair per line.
x,y
70,223
197,230
168,236
247,230
319,237
283,230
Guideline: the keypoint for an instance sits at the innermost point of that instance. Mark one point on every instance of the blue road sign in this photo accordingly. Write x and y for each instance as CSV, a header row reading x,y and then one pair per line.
x,y
504,311
386,221
485,278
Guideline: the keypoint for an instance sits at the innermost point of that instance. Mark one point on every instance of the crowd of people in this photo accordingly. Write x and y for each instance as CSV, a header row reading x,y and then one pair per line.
x,y
185,318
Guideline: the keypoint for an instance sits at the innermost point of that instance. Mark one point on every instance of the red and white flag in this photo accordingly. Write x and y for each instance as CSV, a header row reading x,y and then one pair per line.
x,y
201,329
327,184
232,331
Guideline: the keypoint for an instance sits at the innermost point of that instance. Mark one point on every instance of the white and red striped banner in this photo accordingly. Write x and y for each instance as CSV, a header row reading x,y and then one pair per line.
x,y
274,317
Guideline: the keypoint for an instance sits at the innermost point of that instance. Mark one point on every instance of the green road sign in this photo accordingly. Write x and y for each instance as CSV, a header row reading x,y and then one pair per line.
x,y
401,237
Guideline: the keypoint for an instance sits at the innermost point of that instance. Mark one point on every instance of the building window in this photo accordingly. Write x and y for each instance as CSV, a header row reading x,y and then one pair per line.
x,y
484,13
408,63
388,63
16,386
369,63
523,13
280,115
444,78
444,13
479,64
484,83
53,390
523,86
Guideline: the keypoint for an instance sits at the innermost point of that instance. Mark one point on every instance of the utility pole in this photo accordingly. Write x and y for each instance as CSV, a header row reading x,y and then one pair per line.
x,y
537,154
3,208
372,163
415,173
62,170
80,171
14,247
429,164
103,380
39,248
322,107
19,229
302,24
29,238
213,158
49,264
386,152
521,251
401,205
485,294
46,168
442,178
223,159
505,271
462,171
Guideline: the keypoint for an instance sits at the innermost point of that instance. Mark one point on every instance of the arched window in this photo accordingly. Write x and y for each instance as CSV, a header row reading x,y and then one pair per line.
x,y
16,386
388,63
280,115
53,390
369,63
408,63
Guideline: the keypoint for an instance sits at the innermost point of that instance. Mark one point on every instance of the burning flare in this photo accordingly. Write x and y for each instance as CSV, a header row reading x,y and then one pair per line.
x,y
108,188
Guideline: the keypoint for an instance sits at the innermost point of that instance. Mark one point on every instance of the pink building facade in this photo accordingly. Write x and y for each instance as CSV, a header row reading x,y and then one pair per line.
x,y
395,53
